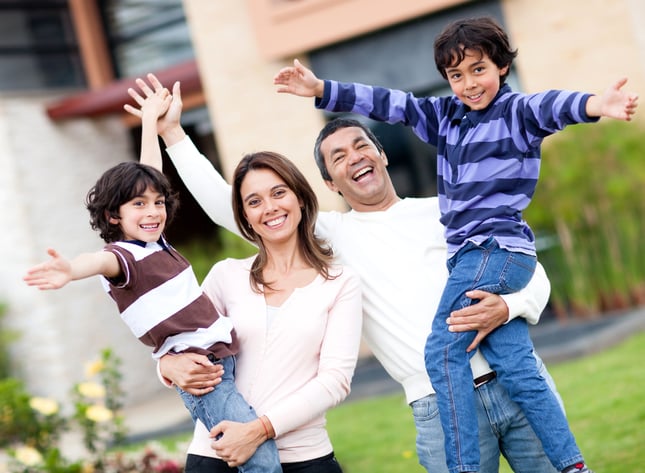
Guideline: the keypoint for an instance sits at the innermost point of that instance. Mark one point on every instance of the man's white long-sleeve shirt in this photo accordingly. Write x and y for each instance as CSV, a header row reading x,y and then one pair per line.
x,y
399,254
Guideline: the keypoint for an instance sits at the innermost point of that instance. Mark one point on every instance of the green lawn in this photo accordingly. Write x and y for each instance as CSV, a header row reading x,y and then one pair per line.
x,y
604,395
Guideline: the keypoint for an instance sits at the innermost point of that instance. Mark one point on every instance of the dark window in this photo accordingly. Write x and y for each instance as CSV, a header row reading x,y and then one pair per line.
x,y
145,35
38,47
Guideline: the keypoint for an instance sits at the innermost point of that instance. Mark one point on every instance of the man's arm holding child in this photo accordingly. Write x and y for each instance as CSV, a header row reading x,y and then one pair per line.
x,y
494,310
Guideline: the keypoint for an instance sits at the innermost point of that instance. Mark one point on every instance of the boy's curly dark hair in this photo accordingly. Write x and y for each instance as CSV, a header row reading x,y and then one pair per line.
x,y
482,35
119,185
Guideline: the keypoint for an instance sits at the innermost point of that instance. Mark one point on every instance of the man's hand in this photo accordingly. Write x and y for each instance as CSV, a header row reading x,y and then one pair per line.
x,y
484,316
298,80
192,372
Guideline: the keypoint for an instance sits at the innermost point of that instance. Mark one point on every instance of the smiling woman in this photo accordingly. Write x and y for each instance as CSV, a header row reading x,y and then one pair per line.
x,y
289,298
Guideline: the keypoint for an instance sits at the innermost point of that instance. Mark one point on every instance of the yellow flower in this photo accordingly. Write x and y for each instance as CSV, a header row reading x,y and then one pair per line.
x,y
28,456
88,468
408,454
45,406
98,413
93,368
91,390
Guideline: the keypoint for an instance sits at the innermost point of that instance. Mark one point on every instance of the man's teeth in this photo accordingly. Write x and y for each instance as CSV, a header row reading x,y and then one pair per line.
x,y
361,172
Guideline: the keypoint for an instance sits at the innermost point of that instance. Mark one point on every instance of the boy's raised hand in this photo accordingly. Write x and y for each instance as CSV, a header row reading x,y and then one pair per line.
x,y
616,103
167,121
52,274
298,80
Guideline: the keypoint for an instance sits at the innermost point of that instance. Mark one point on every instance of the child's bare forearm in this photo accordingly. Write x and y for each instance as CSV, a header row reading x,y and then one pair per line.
x,y
86,265
150,151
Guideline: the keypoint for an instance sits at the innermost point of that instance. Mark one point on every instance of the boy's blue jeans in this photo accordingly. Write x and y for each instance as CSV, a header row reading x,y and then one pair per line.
x,y
226,403
503,430
508,350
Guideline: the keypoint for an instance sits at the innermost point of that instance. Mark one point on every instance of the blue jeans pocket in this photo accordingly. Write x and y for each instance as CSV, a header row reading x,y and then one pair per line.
x,y
425,409
517,272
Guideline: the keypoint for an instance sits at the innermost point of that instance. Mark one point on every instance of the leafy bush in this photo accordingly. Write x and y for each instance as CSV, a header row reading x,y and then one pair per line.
x,y
6,337
203,254
590,198
27,420
32,426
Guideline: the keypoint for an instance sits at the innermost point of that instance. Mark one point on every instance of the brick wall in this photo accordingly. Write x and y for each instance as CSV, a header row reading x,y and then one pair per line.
x,y
47,169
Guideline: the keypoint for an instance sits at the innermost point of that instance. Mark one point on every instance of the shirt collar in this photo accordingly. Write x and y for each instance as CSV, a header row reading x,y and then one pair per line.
x,y
161,242
461,111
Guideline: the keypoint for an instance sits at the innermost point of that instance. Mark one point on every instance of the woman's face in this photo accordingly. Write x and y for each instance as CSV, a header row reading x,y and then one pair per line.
x,y
270,206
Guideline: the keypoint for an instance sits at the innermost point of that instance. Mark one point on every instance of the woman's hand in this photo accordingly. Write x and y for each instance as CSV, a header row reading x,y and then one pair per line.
x,y
236,442
193,373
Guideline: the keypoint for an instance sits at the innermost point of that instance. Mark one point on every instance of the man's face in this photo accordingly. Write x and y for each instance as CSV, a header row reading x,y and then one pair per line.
x,y
357,169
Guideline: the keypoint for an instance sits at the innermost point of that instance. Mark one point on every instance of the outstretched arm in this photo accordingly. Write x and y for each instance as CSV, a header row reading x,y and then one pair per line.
x,y
614,103
58,271
298,80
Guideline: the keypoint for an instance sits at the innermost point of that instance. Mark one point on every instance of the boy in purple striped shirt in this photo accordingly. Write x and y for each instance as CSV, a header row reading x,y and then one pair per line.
x,y
488,158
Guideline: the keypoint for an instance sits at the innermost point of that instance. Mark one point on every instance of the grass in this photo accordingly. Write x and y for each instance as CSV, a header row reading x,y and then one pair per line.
x,y
604,395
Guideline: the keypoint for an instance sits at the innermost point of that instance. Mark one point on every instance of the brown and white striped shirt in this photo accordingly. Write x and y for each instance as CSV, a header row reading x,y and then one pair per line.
x,y
160,300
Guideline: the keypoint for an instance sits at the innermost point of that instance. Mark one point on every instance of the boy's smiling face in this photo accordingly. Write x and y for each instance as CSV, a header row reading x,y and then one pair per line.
x,y
143,217
475,80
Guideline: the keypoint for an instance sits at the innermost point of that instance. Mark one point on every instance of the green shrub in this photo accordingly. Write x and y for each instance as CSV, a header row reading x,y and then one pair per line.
x,y
590,197
32,426
6,337
23,423
204,253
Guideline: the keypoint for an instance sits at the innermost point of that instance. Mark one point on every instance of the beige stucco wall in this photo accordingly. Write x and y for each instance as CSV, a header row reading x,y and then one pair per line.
x,y
247,114
285,27
47,170
578,44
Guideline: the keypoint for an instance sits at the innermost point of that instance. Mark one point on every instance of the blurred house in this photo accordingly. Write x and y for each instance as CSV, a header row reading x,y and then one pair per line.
x,y
65,66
